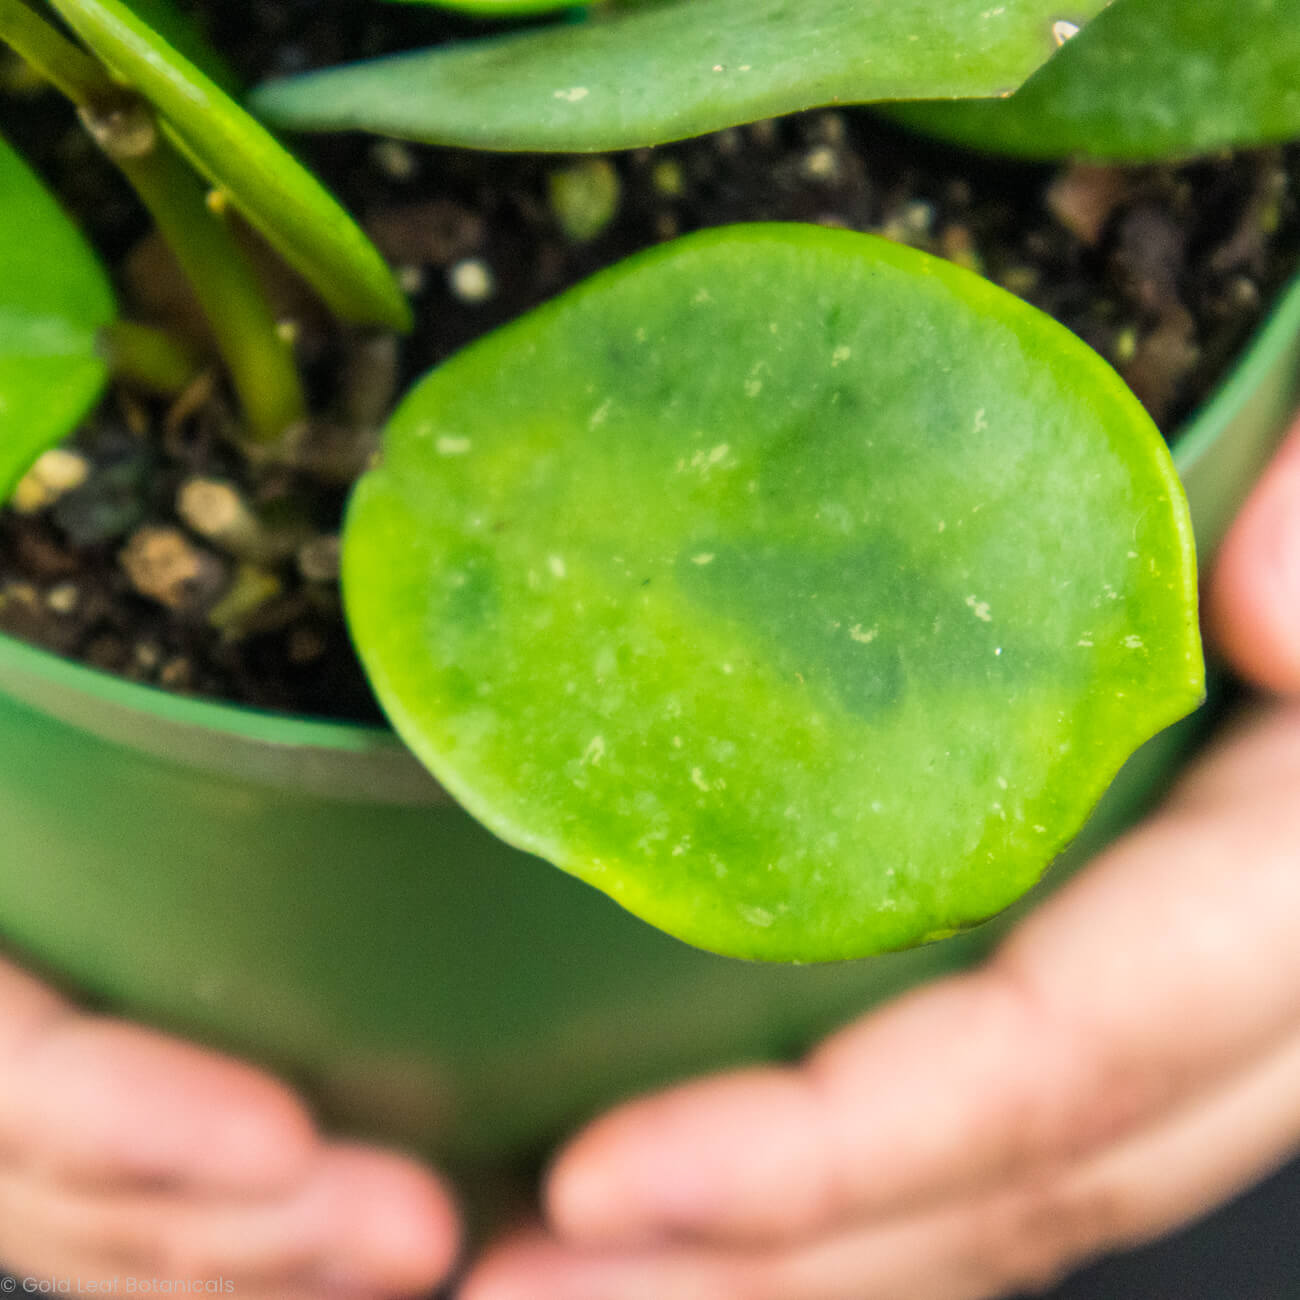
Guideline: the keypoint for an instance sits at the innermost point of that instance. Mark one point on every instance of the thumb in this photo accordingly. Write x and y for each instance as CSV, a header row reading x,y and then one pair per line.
x,y
1253,600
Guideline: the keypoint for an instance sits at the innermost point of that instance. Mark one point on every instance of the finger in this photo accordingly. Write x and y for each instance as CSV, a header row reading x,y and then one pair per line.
x,y
1253,606
103,1102
1146,979
365,1222
1024,1236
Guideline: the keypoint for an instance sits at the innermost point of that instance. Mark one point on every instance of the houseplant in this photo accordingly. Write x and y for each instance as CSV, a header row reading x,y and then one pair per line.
x,y
203,980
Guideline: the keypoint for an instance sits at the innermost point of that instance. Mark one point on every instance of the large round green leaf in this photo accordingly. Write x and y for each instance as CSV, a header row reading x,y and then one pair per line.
x,y
799,590
499,8
295,213
1146,80
54,298
675,69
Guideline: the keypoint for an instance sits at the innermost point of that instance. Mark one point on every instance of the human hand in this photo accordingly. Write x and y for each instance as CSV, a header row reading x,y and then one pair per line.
x,y
1129,1058
124,1153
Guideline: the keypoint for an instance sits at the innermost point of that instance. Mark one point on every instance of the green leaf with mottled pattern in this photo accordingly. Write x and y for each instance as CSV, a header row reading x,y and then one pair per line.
x,y
280,197
677,69
499,8
54,299
1147,80
799,590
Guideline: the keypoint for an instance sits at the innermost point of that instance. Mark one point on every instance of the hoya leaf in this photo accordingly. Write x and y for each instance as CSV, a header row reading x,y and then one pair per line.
x,y
799,590
54,299
499,8
1146,81
676,69
277,195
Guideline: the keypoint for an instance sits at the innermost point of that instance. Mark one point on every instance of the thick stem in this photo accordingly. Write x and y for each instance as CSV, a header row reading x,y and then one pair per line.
x,y
56,58
258,355
255,349
149,358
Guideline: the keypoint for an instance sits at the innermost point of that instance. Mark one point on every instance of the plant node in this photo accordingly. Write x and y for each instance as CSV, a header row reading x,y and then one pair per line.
x,y
124,130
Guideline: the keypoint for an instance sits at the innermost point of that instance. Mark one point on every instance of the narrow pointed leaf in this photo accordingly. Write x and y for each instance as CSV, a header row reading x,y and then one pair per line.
x,y
678,69
269,187
1146,81
54,298
799,590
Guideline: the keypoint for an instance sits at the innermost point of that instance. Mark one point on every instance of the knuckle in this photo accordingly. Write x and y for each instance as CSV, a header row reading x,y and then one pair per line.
x,y
1087,1092
1028,1239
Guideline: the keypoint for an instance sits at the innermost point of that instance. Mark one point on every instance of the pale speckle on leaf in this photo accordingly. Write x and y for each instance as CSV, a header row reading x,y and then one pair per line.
x,y
980,608
449,446
573,95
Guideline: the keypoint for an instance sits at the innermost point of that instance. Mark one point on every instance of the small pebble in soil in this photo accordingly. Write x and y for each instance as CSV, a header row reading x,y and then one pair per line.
x,y
318,560
163,565
821,163
55,474
471,280
584,198
215,509
63,599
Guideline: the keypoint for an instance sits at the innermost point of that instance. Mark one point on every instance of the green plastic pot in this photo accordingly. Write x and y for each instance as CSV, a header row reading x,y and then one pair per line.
x,y
304,895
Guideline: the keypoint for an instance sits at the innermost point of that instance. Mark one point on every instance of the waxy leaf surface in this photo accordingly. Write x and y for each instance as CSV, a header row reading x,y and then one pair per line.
x,y
498,8
799,590
1147,80
677,69
54,298
268,186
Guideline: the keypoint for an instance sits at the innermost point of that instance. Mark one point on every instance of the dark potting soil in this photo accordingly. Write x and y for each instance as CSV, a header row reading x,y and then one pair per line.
x,y
152,547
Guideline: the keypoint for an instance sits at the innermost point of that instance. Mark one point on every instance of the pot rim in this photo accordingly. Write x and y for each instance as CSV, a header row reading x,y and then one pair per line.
x,y
246,723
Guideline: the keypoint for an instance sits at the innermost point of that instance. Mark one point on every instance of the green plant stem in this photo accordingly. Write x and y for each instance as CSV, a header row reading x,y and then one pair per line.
x,y
149,358
259,357
55,57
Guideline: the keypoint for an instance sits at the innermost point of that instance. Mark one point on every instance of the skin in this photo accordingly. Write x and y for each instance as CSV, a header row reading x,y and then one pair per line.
x,y
1128,1059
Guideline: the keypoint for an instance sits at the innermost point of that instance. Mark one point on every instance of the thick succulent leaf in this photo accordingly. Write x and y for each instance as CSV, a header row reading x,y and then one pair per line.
x,y
1147,80
54,298
677,69
499,8
799,590
277,195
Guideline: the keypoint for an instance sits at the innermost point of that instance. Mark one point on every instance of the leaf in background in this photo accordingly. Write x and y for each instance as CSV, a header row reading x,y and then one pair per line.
x,y
54,299
1146,81
284,201
799,590
677,69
